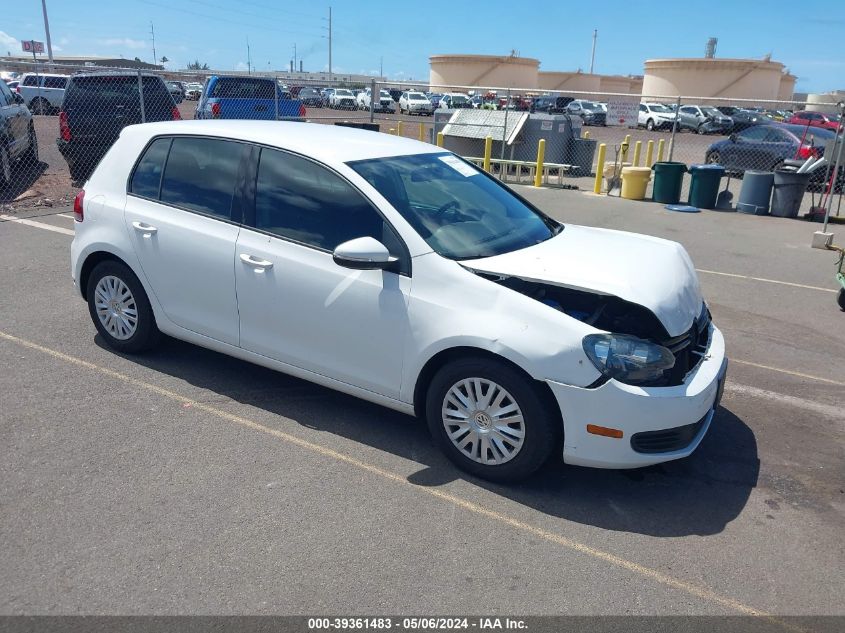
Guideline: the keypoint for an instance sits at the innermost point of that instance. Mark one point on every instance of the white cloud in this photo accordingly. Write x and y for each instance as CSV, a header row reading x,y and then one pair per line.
x,y
125,42
241,66
9,43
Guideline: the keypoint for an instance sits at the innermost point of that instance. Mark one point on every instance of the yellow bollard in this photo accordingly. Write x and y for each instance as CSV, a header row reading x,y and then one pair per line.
x,y
600,168
660,151
638,149
392,131
422,131
586,134
626,147
399,128
649,153
440,139
488,150
541,154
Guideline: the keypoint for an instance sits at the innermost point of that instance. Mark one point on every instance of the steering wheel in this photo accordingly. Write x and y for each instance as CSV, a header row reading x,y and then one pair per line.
x,y
452,205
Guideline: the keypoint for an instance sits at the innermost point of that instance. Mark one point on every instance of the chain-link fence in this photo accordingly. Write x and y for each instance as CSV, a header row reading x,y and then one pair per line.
x,y
60,120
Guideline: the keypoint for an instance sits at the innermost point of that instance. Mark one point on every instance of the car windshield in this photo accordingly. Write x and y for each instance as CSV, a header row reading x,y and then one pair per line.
x,y
343,93
385,93
459,99
589,105
243,88
657,107
711,111
457,209
416,96
805,131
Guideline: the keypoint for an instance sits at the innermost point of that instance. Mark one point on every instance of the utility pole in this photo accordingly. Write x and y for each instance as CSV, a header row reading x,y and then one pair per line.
x,y
153,34
381,66
294,56
47,30
593,54
330,42
248,58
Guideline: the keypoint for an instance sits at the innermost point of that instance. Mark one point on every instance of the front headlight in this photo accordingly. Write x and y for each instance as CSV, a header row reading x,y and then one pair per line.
x,y
627,358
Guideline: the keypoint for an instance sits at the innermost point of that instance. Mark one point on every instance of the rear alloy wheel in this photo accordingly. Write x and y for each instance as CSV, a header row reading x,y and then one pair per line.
x,y
649,125
713,158
489,419
120,308
701,129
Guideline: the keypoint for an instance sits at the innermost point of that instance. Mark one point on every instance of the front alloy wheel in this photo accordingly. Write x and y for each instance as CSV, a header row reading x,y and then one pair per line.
x,y
116,307
491,419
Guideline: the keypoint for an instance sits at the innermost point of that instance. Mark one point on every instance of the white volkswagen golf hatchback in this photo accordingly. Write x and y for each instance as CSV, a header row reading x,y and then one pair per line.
x,y
397,272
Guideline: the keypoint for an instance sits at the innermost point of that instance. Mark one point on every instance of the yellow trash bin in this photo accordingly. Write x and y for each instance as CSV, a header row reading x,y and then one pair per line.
x,y
634,182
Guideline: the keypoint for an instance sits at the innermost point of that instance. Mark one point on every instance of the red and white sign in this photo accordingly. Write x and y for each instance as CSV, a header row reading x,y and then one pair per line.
x,y
622,113
31,46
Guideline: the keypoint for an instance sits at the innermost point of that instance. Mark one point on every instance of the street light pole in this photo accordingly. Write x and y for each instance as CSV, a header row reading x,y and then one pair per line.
x,y
47,30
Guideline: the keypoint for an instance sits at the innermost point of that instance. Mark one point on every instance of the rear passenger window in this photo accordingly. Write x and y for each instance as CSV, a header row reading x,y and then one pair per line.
x,y
147,177
30,80
55,82
305,202
201,174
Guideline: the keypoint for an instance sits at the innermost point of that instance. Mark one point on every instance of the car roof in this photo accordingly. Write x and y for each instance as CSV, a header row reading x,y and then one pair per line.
x,y
326,143
112,73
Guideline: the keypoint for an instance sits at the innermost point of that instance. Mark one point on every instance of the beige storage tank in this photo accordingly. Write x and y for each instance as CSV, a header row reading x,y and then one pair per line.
x,y
713,77
569,81
495,71
620,84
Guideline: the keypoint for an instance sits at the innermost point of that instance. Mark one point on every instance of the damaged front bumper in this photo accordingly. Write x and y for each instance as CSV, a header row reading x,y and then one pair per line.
x,y
658,424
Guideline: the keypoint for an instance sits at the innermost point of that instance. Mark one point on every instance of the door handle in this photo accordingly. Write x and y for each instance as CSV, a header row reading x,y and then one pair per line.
x,y
255,262
146,229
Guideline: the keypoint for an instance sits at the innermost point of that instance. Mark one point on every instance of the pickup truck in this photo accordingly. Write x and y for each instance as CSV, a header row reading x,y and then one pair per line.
x,y
43,94
238,97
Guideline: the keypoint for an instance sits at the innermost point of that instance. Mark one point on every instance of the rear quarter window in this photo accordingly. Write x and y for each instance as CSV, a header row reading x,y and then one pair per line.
x,y
146,180
30,80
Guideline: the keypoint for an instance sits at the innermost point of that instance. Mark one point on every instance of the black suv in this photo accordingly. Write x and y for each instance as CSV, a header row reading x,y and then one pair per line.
x,y
551,105
17,134
98,105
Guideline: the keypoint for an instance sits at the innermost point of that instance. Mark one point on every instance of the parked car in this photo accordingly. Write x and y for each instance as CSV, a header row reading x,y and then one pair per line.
x,y
98,105
342,99
589,111
414,103
13,84
193,91
311,97
18,141
550,104
516,102
239,97
327,95
743,118
765,147
43,94
815,119
435,98
385,102
454,100
655,116
703,120
519,335
177,90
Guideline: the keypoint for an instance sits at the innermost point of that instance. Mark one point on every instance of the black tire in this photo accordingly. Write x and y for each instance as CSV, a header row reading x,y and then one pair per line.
x,y
701,130
39,105
146,334
650,125
31,155
541,428
840,298
5,166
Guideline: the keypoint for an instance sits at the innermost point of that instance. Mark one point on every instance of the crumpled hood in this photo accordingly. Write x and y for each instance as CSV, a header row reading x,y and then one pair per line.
x,y
652,272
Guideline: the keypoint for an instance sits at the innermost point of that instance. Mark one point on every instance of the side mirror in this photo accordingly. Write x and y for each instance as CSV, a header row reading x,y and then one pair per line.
x,y
733,137
363,253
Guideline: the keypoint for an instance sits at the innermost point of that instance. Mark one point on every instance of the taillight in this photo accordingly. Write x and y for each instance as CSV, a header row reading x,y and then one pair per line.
x,y
18,88
215,110
78,213
176,115
64,127
302,110
805,151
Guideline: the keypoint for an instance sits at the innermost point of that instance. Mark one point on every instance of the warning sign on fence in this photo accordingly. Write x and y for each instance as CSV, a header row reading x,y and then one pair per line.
x,y
622,113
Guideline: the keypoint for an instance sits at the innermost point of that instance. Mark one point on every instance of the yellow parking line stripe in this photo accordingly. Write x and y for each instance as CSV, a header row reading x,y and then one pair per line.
x,y
694,590
37,225
789,372
769,281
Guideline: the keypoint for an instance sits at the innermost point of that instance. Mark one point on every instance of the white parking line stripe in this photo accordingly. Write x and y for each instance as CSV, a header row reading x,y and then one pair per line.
x,y
66,215
768,281
37,225
837,413
789,372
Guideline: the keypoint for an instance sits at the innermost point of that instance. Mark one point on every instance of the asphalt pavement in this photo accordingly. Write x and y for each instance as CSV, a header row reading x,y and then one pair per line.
x,y
184,481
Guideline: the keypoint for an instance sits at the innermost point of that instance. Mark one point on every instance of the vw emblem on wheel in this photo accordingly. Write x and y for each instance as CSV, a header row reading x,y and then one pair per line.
x,y
483,420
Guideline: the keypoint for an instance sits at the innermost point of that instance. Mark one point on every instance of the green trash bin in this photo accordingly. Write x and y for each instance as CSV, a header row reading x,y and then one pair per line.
x,y
704,185
668,179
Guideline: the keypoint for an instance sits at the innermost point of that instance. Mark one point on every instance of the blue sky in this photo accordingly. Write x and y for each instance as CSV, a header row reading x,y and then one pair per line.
x,y
404,34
